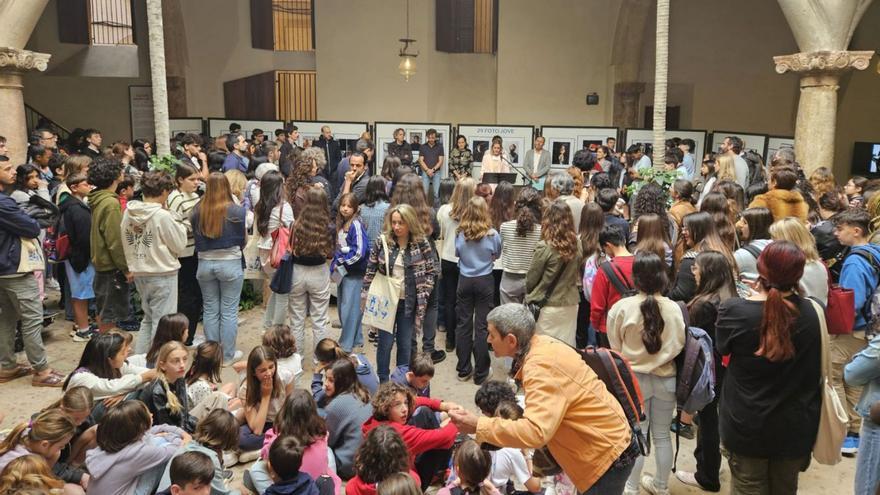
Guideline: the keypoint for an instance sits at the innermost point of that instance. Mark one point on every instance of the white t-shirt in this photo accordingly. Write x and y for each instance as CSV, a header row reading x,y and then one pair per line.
x,y
508,464
448,227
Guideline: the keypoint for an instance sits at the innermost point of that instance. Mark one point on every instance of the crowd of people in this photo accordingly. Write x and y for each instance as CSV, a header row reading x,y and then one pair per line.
x,y
602,255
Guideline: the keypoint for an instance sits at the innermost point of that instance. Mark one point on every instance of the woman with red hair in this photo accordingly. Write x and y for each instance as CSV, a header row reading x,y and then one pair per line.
x,y
770,399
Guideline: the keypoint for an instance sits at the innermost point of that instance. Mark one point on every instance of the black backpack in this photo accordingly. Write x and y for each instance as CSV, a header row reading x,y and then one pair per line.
x,y
618,279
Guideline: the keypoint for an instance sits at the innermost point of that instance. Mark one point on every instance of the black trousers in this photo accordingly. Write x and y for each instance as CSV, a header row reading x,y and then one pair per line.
x,y
475,300
708,450
189,294
431,462
581,337
449,270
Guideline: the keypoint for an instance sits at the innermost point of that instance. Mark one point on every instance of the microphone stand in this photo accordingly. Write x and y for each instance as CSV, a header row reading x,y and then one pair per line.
x,y
527,179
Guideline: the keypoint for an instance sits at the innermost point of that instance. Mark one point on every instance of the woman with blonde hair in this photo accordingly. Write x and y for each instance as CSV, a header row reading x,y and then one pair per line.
x,y
219,231
814,282
725,168
31,472
822,179
552,278
412,261
449,216
477,245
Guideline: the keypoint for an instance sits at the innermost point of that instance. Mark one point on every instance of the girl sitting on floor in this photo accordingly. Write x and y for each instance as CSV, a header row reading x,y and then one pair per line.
x,y
173,327
263,395
347,408
45,435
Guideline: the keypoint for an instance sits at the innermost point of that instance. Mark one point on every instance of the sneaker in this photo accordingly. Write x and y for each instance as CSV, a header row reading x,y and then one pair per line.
x,y
690,479
248,481
84,335
129,325
235,358
246,457
450,346
648,485
198,339
438,356
227,475
230,458
373,336
465,377
683,429
850,446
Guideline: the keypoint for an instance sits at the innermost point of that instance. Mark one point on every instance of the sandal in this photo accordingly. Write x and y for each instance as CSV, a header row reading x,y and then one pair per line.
x,y
53,379
19,371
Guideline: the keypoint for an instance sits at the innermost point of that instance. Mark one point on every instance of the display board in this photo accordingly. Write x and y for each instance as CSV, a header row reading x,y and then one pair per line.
x,y
646,136
756,142
516,140
217,127
187,125
776,143
572,139
415,134
347,133
140,106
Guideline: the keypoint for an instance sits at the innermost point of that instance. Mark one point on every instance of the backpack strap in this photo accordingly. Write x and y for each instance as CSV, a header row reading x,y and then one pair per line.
x,y
875,266
620,283
753,250
684,314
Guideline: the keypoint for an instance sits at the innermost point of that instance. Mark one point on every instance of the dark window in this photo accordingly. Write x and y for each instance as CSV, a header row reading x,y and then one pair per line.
x,y
467,26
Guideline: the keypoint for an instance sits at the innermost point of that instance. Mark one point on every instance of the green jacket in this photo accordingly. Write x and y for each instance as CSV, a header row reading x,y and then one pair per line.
x,y
546,263
106,235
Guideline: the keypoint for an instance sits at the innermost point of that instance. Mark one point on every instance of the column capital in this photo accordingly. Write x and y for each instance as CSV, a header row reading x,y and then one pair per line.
x,y
17,60
823,61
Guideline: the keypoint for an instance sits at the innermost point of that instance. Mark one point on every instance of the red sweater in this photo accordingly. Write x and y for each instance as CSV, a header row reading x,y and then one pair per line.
x,y
604,295
356,485
416,439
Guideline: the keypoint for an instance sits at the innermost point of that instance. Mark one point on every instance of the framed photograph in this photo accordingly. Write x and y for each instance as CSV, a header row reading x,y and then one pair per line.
x,y
217,127
415,133
347,133
756,142
515,139
646,136
578,138
140,111
560,153
776,143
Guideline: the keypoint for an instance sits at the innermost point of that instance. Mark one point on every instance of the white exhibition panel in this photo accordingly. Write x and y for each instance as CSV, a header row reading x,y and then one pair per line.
x,y
775,143
414,133
216,127
517,139
573,139
646,136
347,133
188,126
757,142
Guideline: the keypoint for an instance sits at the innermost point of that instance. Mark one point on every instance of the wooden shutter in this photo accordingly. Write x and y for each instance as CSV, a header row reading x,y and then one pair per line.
x,y
250,97
466,26
73,21
262,28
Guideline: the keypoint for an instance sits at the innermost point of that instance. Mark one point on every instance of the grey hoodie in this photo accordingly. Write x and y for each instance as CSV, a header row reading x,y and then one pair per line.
x,y
152,238
134,460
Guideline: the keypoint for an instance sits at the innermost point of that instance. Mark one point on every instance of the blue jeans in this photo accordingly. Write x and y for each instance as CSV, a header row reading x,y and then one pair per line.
x,y
868,460
403,331
431,184
221,281
348,297
612,482
158,298
149,480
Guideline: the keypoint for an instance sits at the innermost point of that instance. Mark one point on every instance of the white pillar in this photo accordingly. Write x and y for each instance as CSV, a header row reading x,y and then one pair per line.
x,y
157,75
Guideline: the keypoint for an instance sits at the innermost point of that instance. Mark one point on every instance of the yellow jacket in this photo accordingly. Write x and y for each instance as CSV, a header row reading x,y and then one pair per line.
x,y
568,409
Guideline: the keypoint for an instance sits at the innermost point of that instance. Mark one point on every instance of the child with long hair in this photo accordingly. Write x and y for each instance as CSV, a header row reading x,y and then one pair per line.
x,y
31,472
312,246
298,418
262,393
477,246
448,219
473,466
700,234
182,201
103,370
708,177
715,285
347,407
770,399
132,453
399,483
854,190
203,377
166,396
77,404
327,352
45,436
814,283
429,449
216,433
411,259
648,330
219,230
171,327
592,222
348,267
281,340
519,236
717,205
382,454
652,238
553,274
753,230
271,213
501,210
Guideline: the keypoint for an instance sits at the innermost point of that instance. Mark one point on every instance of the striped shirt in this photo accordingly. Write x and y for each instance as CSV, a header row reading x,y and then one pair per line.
x,y
516,251
183,204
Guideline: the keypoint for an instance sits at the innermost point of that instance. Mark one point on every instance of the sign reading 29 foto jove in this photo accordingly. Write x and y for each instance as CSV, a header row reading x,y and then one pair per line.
x,y
515,141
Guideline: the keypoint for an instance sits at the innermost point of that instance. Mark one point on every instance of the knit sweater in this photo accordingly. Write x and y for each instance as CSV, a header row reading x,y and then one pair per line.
x,y
345,416
625,327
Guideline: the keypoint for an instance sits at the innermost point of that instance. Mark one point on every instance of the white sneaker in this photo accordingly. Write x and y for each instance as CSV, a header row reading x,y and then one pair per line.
x,y
198,340
230,458
235,358
648,485
246,457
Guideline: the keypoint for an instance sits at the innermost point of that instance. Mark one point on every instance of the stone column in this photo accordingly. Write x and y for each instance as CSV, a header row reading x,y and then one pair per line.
x,y
626,104
13,62
820,73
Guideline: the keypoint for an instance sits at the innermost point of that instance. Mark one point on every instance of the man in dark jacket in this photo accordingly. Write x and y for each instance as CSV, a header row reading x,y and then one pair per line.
x,y
76,223
19,293
332,152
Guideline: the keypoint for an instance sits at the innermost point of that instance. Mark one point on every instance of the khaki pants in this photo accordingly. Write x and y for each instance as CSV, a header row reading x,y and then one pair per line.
x,y
757,476
843,348
216,400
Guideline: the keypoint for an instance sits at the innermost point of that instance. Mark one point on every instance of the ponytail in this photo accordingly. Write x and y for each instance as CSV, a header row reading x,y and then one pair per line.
x,y
654,324
328,350
74,399
776,322
52,426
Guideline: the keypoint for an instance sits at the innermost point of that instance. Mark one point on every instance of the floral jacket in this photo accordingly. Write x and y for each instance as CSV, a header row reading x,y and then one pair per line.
x,y
460,161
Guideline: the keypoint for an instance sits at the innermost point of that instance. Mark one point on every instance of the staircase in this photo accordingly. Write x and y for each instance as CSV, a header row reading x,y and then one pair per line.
x,y
34,120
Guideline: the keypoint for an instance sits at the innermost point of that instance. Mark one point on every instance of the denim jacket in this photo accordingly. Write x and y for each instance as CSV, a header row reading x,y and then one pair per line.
x,y
233,230
864,371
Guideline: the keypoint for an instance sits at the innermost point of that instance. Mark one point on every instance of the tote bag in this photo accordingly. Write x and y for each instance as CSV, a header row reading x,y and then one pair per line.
x,y
832,415
31,256
382,298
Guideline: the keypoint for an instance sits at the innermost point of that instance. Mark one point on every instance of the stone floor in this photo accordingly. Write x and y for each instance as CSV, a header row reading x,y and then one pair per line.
x,y
18,400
